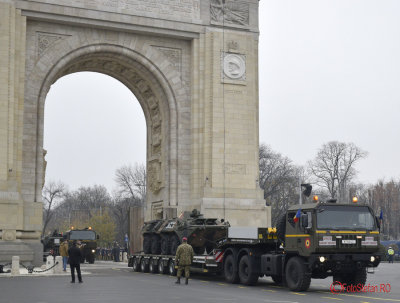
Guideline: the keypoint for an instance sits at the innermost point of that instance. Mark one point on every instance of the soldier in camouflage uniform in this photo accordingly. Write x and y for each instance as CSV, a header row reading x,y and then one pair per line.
x,y
184,258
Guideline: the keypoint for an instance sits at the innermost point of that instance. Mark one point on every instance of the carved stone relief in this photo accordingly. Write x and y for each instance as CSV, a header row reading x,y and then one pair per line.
x,y
46,40
233,66
154,175
230,12
173,55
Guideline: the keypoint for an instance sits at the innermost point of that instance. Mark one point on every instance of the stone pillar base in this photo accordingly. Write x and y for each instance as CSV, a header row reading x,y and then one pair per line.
x,y
239,212
29,252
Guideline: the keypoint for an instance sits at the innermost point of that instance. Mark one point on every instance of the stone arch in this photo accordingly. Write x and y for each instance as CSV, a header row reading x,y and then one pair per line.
x,y
156,93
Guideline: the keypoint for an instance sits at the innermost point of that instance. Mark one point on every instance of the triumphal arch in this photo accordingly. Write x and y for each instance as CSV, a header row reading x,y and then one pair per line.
x,y
193,66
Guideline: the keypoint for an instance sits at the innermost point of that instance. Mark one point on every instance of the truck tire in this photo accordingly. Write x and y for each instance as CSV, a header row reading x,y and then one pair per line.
x,y
144,267
153,268
171,268
135,265
231,276
147,244
165,245
281,228
247,275
161,267
91,260
297,276
359,277
155,245
174,244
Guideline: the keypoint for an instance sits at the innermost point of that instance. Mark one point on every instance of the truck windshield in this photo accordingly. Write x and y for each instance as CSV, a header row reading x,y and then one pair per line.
x,y
344,217
82,235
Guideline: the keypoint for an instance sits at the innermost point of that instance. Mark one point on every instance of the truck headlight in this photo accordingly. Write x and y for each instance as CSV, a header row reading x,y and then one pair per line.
x,y
93,250
322,259
372,258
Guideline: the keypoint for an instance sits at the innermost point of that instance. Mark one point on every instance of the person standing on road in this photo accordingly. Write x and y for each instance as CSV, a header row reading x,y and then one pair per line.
x,y
183,258
64,253
75,256
390,254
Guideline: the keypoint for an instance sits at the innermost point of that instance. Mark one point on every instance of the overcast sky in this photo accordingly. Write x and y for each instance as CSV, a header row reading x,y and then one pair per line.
x,y
329,70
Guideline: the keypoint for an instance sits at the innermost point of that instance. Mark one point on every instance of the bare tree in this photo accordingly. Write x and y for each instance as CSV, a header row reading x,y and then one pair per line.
x,y
279,178
52,194
131,182
333,167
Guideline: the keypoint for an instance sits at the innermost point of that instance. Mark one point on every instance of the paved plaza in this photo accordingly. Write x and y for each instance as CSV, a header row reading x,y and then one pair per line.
x,y
115,282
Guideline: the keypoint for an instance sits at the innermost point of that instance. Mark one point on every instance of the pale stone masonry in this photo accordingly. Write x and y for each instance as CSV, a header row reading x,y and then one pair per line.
x,y
193,66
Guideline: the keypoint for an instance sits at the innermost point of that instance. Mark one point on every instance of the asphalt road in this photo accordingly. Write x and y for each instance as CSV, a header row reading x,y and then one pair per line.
x,y
115,282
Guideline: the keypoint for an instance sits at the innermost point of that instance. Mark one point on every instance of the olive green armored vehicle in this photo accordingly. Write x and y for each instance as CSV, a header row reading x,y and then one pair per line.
x,y
164,236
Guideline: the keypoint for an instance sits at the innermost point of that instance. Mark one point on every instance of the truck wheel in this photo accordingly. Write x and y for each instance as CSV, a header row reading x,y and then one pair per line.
x,y
171,268
281,228
155,245
277,279
153,266
246,273
165,245
147,244
161,267
360,276
174,244
231,276
144,267
297,277
135,265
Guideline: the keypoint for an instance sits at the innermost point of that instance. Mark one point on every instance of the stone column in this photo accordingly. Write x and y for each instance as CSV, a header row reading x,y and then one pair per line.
x,y
20,222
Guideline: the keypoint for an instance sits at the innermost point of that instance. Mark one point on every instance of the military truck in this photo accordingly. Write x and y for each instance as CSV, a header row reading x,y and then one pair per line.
x,y
313,240
51,244
88,239
164,236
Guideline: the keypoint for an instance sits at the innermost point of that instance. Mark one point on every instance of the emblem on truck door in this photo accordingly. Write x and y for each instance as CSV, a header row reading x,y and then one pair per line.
x,y
307,243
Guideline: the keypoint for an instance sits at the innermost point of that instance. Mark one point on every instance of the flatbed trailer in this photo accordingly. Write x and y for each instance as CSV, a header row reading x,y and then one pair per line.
x,y
241,241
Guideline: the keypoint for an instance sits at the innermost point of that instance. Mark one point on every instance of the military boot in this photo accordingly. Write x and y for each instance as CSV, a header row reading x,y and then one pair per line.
x,y
187,281
178,281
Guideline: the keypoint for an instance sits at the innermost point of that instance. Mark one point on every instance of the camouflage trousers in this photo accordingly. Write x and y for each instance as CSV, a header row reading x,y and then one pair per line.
x,y
185,268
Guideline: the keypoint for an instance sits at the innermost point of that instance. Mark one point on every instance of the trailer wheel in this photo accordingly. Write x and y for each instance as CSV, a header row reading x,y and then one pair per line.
x,y
281,228
161,267
171,268
155,245
246,274
153,266
297,277
174,244
135,265
231,276
146,244
165,245
144,266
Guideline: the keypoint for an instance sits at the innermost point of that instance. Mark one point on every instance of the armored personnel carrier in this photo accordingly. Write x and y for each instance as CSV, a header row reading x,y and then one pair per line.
x,y
164,236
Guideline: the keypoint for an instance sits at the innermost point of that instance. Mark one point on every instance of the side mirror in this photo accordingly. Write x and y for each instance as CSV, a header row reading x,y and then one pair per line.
x,y
304,220
98,237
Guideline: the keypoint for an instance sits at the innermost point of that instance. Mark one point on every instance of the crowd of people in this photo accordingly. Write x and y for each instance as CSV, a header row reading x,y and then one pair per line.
x,y
113,253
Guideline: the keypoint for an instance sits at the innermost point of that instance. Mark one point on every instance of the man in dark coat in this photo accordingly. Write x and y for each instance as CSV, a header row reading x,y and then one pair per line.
x,y
75,256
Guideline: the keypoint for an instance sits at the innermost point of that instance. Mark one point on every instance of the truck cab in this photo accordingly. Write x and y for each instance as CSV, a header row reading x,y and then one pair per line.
x,y
331,239
88,239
